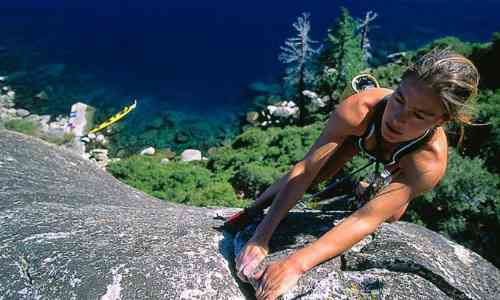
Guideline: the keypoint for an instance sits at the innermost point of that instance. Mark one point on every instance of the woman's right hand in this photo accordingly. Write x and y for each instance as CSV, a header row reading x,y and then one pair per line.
x,y
249,258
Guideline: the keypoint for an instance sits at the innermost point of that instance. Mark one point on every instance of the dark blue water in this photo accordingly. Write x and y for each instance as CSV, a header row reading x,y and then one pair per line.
x,y
202,55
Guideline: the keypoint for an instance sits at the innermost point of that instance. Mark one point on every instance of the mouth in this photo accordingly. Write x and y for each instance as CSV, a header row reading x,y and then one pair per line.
x,y
392,130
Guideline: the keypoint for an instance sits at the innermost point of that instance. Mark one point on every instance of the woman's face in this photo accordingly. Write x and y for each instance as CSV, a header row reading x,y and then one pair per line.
x,y
411,109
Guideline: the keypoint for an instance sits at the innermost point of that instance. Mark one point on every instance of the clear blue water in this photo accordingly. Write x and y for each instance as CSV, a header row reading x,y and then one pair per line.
x,y
201,55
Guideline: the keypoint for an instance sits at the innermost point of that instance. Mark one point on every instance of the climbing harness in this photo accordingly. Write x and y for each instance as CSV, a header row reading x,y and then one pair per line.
x,y
302,204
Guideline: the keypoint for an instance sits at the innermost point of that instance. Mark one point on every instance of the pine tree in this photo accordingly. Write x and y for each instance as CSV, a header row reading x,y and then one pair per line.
x,y
343,57
298,53
364,28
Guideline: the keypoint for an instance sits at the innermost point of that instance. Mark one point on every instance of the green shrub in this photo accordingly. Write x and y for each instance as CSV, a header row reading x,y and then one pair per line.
x,y
227,159
58,140
252,137
182,182
23,126
253,178
485,140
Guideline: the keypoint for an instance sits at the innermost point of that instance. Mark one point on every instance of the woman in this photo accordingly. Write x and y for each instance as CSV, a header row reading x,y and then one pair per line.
x,y
402,129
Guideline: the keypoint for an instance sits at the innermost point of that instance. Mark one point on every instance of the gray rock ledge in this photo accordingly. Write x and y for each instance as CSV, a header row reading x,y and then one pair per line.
x,y
71,231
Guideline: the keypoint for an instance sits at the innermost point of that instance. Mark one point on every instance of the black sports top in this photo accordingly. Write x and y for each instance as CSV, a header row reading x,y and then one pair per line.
x,y
375,127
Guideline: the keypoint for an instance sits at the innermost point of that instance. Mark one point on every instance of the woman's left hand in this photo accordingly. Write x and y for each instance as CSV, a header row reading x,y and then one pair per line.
x,y
277,278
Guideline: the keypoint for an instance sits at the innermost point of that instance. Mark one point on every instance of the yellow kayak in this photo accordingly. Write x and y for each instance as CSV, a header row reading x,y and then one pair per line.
x,y
115,118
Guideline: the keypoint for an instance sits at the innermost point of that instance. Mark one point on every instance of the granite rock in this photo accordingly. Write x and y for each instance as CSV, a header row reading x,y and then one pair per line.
x,y
399,261
72,231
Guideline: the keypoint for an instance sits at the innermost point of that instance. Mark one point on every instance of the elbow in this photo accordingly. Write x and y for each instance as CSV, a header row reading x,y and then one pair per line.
x,y
366,224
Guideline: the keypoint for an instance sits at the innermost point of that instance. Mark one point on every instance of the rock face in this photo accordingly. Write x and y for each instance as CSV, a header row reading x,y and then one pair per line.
x,y
71,231
399,261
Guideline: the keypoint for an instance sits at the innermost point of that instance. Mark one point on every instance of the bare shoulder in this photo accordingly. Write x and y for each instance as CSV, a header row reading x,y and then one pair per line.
x,y
355,111
425,167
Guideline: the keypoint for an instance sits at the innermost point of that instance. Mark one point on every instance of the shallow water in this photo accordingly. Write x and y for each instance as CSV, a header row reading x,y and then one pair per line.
x,y
199,57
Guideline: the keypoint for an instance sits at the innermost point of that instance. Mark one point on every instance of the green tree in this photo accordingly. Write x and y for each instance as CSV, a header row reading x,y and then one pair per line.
x,y
342,57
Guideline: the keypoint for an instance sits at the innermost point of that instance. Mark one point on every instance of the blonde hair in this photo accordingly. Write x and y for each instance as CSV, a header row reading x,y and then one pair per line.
x,y
455,80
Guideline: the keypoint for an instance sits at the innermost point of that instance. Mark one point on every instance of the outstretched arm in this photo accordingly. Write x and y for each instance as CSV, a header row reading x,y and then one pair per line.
x,y
282,275
343,122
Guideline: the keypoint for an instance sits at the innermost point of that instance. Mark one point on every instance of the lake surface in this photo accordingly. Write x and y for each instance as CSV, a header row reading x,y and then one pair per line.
x,y
201,56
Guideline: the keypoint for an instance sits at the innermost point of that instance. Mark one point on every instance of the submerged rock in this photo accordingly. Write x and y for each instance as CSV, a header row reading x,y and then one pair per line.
x,y
21,112
42,96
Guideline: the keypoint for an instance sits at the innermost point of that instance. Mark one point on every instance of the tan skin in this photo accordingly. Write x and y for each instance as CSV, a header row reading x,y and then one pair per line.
x,y
411,109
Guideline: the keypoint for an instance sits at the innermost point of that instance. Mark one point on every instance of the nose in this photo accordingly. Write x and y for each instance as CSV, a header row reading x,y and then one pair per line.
x,y
401,117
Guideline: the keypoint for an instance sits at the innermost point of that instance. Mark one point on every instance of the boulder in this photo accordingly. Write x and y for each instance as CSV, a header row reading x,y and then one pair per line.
x,y
285,109
81,119
72,231
22,113
148,151
33,118
252,117
99,138
44,119
190,154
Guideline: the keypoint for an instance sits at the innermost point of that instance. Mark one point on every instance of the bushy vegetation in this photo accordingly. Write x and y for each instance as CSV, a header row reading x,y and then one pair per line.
x,y
29,127
233,175
23,126
183,182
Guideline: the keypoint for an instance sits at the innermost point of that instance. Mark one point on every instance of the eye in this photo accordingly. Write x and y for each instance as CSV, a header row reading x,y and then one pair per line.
x,y
419,116
398,100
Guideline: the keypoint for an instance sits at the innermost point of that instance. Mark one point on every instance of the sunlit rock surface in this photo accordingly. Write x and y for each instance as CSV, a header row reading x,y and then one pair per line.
x,y
399,261
71,231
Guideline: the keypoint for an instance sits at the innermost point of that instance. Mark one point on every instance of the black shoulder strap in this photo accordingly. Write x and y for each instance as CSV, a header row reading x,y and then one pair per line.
x,y
377,120
405,147
379,110
412,145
